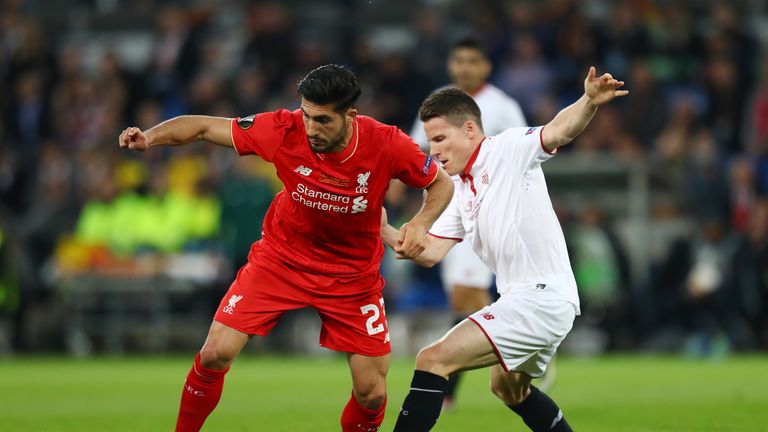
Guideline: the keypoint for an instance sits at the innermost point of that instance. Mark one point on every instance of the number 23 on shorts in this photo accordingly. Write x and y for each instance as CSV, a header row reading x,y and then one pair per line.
x,y
376,311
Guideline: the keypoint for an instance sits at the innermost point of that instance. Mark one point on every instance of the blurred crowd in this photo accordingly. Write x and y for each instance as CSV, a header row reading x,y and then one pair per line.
x,y
74,73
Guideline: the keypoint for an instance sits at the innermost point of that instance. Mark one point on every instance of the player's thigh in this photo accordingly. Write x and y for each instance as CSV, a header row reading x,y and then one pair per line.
x,y
262,291
467,299
355,323
510,387
525,330
464,347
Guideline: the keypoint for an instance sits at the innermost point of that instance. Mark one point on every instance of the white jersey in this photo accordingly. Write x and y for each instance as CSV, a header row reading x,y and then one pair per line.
x,y
499,113
461,266
501,207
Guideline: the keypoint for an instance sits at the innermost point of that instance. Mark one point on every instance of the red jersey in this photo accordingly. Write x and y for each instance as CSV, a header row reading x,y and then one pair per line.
x,y
327,218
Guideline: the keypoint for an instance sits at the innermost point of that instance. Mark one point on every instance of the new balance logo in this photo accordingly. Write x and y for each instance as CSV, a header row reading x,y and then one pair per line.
x,y
303,170
359,204
230,308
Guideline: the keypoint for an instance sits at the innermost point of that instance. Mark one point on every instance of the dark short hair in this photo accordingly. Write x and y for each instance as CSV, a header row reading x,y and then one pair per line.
x,y
330,84
456,105
470,42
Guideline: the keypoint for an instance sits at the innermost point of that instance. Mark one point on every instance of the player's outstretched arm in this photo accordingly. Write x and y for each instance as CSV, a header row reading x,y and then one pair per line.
x,y
434,251
569,122
178,131
413,235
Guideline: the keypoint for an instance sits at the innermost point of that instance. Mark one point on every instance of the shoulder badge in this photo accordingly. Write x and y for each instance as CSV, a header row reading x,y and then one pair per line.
x,y
246,122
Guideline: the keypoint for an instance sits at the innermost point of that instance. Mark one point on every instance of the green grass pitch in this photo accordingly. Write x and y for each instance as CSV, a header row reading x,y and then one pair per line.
x,y
303,394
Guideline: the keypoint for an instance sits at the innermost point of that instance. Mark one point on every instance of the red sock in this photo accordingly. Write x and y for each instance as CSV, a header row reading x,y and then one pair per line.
x,y
201,394
357,418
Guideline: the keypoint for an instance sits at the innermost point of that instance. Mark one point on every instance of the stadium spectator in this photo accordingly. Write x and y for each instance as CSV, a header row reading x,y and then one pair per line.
x,y
319,234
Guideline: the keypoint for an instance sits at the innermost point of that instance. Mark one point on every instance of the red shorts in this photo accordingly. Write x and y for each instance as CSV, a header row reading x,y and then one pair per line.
x,y
352,309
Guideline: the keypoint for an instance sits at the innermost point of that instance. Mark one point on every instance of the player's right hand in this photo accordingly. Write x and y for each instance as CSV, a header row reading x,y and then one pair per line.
x,y
413,240
134,139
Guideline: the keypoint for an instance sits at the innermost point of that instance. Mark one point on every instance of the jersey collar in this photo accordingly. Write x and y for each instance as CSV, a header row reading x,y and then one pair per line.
x,y
471,161
349,150
478,90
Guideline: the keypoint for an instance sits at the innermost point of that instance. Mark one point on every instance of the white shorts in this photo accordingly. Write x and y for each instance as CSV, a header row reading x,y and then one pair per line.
x,y
525,330
462,266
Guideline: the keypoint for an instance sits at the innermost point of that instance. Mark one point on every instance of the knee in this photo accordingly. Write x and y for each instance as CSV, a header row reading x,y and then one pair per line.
x,y
510,394
433,359
371,395
214,356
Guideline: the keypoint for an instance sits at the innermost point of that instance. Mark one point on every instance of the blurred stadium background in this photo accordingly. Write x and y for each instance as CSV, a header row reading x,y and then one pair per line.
x,y
105,252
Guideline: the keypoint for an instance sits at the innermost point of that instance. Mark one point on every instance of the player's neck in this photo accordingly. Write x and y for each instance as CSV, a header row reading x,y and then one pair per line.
x,y
473,91
348,136
475,143
474,148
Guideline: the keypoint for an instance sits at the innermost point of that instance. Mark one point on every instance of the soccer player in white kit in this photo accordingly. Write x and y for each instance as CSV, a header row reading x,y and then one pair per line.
x,y
502,208
465,277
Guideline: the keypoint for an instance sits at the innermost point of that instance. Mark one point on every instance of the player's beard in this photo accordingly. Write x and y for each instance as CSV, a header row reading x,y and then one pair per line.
x,y
331,145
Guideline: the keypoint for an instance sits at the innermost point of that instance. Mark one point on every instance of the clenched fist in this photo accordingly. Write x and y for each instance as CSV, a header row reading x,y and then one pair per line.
x,y
134,139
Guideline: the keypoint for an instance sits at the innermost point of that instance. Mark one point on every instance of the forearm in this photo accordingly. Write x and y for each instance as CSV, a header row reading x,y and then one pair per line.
x,y
189,128
430,256
390,236
437,196
569,123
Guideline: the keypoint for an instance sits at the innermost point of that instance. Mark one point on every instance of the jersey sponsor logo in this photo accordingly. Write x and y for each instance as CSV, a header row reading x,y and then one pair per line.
x,y
488,316
362,182
230,308
530,130
320,200
246,122
333,181
426,166
359,204
303,170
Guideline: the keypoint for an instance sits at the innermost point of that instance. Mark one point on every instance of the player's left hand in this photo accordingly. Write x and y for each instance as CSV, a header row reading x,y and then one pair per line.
x,y
602,89
413,240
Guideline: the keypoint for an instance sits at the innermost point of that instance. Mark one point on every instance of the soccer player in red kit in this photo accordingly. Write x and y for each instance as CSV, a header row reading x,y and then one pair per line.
x,y
321,245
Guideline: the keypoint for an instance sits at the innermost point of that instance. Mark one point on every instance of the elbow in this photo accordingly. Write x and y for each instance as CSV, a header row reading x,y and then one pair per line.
x,y
564,141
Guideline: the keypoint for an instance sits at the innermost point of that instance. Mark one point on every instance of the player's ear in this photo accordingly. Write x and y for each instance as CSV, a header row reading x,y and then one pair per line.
x,y
351,113
488,68
470,128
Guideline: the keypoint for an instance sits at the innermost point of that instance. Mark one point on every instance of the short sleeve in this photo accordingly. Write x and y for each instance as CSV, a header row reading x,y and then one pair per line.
x,y
524,147
409,164
449,225
261,134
